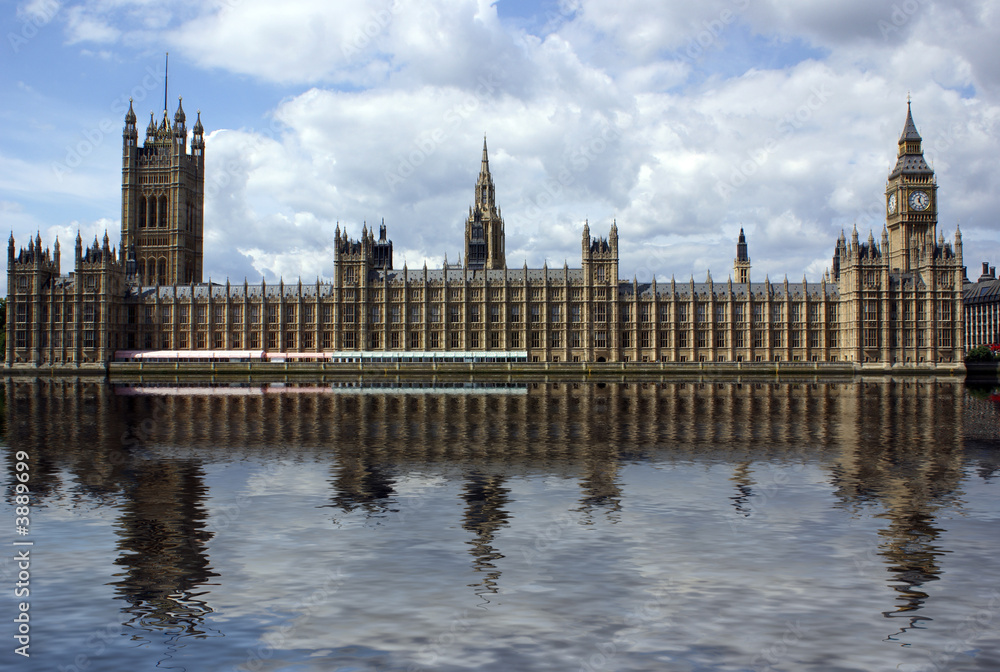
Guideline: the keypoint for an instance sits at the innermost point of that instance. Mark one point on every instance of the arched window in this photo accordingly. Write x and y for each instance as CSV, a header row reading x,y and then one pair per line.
x,y
163,213
162,272
142,212
141,271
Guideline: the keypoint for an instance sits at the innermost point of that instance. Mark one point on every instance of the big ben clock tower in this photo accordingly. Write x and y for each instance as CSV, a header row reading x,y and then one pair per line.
x,y
910,200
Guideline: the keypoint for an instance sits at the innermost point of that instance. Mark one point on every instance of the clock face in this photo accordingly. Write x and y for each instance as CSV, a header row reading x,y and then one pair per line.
x,y
892,204
919,200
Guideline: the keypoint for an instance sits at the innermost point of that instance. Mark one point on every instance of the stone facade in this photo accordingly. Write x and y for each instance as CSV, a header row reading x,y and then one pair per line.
x,y
898,302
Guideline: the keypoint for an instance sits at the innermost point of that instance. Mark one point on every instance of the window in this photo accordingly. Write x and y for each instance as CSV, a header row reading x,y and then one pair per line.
x,y
350,340
739,339
555,338
236,340
720,339
778,339
236,314
327,340
682,338
720,312
944,310
88,312
308,312
626,312
474,340
682,312
435,314
307,341
350,275
348,314
536,339
456,314
831,312
494,314
165,314
147,314
646,339
813,313
664,339
474,314
600,274
944,338
414,340
871,310
664,312
871,338
536,312
374,314
183,340
218,340
600,339
601,312
435,340
374,340
702,339
796,312
199,341
739,313
777,312
758,313
456,339
758,339
255,314
796,339
290,314
327,314
515,314
832,338
921,315
220,314
814,339
414,314
645,313
272,314
701,312
576,339
515,339
556,312
394,340
396,313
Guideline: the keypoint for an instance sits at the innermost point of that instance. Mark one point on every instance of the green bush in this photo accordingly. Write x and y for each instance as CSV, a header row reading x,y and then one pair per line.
x,y
981,353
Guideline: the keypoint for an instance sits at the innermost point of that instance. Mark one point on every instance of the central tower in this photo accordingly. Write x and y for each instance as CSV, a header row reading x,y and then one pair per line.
x,y
484,234
910,200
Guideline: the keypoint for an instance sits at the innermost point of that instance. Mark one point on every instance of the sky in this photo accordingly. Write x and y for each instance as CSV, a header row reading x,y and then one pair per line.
x,y
680,121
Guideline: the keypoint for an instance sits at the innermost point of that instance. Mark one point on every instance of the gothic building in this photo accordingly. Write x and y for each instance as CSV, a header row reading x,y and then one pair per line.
x,y
895,302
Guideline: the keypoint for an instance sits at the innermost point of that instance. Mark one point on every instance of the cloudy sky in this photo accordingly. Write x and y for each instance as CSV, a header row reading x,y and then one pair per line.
x,y
681,120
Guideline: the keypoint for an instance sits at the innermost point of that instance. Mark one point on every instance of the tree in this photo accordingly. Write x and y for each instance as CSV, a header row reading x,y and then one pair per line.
x,y
980,353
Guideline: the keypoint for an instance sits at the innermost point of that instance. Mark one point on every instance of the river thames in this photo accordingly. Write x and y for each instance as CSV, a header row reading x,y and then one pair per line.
x,y
577,527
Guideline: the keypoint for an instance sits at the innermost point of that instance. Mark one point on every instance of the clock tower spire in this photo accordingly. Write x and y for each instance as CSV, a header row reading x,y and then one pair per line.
x,y
911,200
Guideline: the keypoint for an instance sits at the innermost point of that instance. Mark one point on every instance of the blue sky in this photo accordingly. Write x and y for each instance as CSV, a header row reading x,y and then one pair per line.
x,y
682,121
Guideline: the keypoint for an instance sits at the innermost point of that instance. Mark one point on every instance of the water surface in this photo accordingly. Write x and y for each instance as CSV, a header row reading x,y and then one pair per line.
x,y
683,526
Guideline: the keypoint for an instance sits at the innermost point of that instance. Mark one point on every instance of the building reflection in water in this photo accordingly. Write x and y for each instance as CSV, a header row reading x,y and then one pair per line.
x,y
485,498
894,445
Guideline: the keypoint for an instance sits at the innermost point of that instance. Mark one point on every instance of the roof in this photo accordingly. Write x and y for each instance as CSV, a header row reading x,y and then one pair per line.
x,y
985,291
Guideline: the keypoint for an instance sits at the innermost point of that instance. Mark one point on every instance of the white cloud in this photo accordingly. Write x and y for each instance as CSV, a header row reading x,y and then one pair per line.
x,y
599,115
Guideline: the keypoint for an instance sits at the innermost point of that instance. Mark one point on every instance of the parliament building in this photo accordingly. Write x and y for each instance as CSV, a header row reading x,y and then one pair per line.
x,y
893,302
